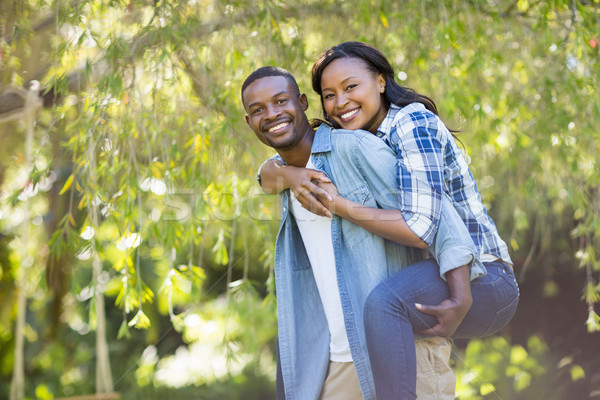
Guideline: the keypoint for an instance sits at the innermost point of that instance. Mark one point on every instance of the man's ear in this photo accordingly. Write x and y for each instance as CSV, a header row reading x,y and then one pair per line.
x,y
248,120
303,101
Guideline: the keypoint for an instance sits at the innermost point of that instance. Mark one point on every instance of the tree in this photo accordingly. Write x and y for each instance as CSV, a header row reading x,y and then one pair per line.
x,y
142,115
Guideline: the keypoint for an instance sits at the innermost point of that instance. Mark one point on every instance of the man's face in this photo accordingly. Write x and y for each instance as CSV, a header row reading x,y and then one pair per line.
x,y
275,112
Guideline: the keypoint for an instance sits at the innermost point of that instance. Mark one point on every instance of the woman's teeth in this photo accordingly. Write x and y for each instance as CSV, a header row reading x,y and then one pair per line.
x,y
349,114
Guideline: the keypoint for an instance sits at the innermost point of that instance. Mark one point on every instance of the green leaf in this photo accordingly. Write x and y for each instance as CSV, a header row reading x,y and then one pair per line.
x,y
67,184
577,373
140,320
124,331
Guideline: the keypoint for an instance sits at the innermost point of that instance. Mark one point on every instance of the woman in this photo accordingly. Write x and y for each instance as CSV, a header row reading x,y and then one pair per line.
x,y
358,91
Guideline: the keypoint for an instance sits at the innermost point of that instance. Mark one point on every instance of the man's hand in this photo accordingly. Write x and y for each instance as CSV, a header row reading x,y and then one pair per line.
x,y
449,314
452,311
303,183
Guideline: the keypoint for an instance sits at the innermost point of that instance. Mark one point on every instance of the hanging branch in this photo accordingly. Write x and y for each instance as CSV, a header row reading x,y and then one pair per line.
x,y
246,255
532,249
573,20
104,382
149,39
230,263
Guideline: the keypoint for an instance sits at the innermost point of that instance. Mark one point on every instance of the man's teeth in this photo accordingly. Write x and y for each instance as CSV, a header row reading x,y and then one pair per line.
x,y
349,114
279,126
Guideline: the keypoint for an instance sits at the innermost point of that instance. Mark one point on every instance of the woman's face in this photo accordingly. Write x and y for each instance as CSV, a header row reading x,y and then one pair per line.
x,y
352,94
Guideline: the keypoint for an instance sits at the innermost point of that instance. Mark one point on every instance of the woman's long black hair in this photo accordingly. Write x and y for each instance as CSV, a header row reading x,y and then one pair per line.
x,y
375,62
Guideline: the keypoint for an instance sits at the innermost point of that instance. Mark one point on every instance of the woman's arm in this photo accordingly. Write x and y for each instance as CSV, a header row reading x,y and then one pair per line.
x,y
275,177
387,223
420,167
390,224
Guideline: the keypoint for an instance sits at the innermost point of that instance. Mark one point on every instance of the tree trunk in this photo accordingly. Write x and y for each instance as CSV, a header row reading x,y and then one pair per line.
x,y
17,388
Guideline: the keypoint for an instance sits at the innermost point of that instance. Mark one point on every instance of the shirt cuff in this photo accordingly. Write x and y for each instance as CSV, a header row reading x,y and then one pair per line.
x,y
275,157
421,226
457,257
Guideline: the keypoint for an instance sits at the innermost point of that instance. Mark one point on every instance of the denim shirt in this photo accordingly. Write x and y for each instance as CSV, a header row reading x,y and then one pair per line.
x,y
362,168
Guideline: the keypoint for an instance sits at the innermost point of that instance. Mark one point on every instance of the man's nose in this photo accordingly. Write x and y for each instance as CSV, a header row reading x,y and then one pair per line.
x,y
272,112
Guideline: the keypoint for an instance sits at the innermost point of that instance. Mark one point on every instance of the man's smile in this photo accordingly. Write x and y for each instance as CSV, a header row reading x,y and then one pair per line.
x,y
278,127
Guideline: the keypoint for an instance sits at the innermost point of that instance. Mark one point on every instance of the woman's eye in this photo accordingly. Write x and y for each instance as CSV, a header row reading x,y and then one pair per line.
x,y
350,87
328,96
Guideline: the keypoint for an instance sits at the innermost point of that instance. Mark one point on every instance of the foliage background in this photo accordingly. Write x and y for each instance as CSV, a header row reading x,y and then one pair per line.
x,y
141,184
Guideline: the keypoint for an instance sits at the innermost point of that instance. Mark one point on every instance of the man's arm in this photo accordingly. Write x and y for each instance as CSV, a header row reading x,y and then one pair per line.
x,y
452,311
275,176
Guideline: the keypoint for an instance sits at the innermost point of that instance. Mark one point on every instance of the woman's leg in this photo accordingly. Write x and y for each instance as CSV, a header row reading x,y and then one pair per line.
x,y
495,299
391,317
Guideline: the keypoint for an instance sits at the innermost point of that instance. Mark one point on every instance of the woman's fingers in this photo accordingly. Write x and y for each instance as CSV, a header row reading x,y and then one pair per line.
x,y
321,176
303,184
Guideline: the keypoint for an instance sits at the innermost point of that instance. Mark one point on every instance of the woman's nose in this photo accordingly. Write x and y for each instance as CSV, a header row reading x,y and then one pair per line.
x,y
341,101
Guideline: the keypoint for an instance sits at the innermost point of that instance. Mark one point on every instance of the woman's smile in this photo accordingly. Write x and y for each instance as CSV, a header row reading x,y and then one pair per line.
x,y
348,116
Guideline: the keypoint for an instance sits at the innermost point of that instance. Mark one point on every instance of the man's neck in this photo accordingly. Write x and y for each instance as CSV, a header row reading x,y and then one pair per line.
x,y
299,154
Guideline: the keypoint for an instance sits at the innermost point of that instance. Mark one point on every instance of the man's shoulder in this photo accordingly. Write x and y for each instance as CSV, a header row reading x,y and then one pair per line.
x,y
357,145
348,144
352,137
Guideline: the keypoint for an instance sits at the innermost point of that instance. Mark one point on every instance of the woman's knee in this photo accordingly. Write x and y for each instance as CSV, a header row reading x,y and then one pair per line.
x,y
384,300
378,302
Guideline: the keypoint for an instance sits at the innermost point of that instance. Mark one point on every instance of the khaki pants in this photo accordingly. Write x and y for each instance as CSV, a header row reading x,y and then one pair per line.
x,y
341,382
435,379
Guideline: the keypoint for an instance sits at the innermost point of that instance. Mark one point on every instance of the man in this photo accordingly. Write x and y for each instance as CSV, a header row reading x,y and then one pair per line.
x,y
325,268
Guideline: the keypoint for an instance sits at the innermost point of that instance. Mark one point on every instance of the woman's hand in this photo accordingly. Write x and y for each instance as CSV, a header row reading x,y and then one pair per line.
x,y
328,195
306,185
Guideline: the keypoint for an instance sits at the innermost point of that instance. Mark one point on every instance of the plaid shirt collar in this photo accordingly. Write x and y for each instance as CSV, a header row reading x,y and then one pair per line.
x,y
394,114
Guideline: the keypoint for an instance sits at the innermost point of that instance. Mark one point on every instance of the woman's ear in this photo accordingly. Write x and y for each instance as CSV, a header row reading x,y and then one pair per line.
x,y
381,81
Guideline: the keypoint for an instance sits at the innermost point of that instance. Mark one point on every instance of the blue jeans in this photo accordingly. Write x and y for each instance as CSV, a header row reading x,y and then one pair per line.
x,y
391,318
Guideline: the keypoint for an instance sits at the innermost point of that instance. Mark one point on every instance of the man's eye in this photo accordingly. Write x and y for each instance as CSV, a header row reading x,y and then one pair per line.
x,y
281,101
256,111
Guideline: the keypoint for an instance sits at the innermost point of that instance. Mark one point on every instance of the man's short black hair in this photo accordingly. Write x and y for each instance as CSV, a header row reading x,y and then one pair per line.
x,y
264,72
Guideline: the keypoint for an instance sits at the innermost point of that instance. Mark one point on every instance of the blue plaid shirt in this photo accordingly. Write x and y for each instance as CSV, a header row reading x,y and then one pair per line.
x,y
430,164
